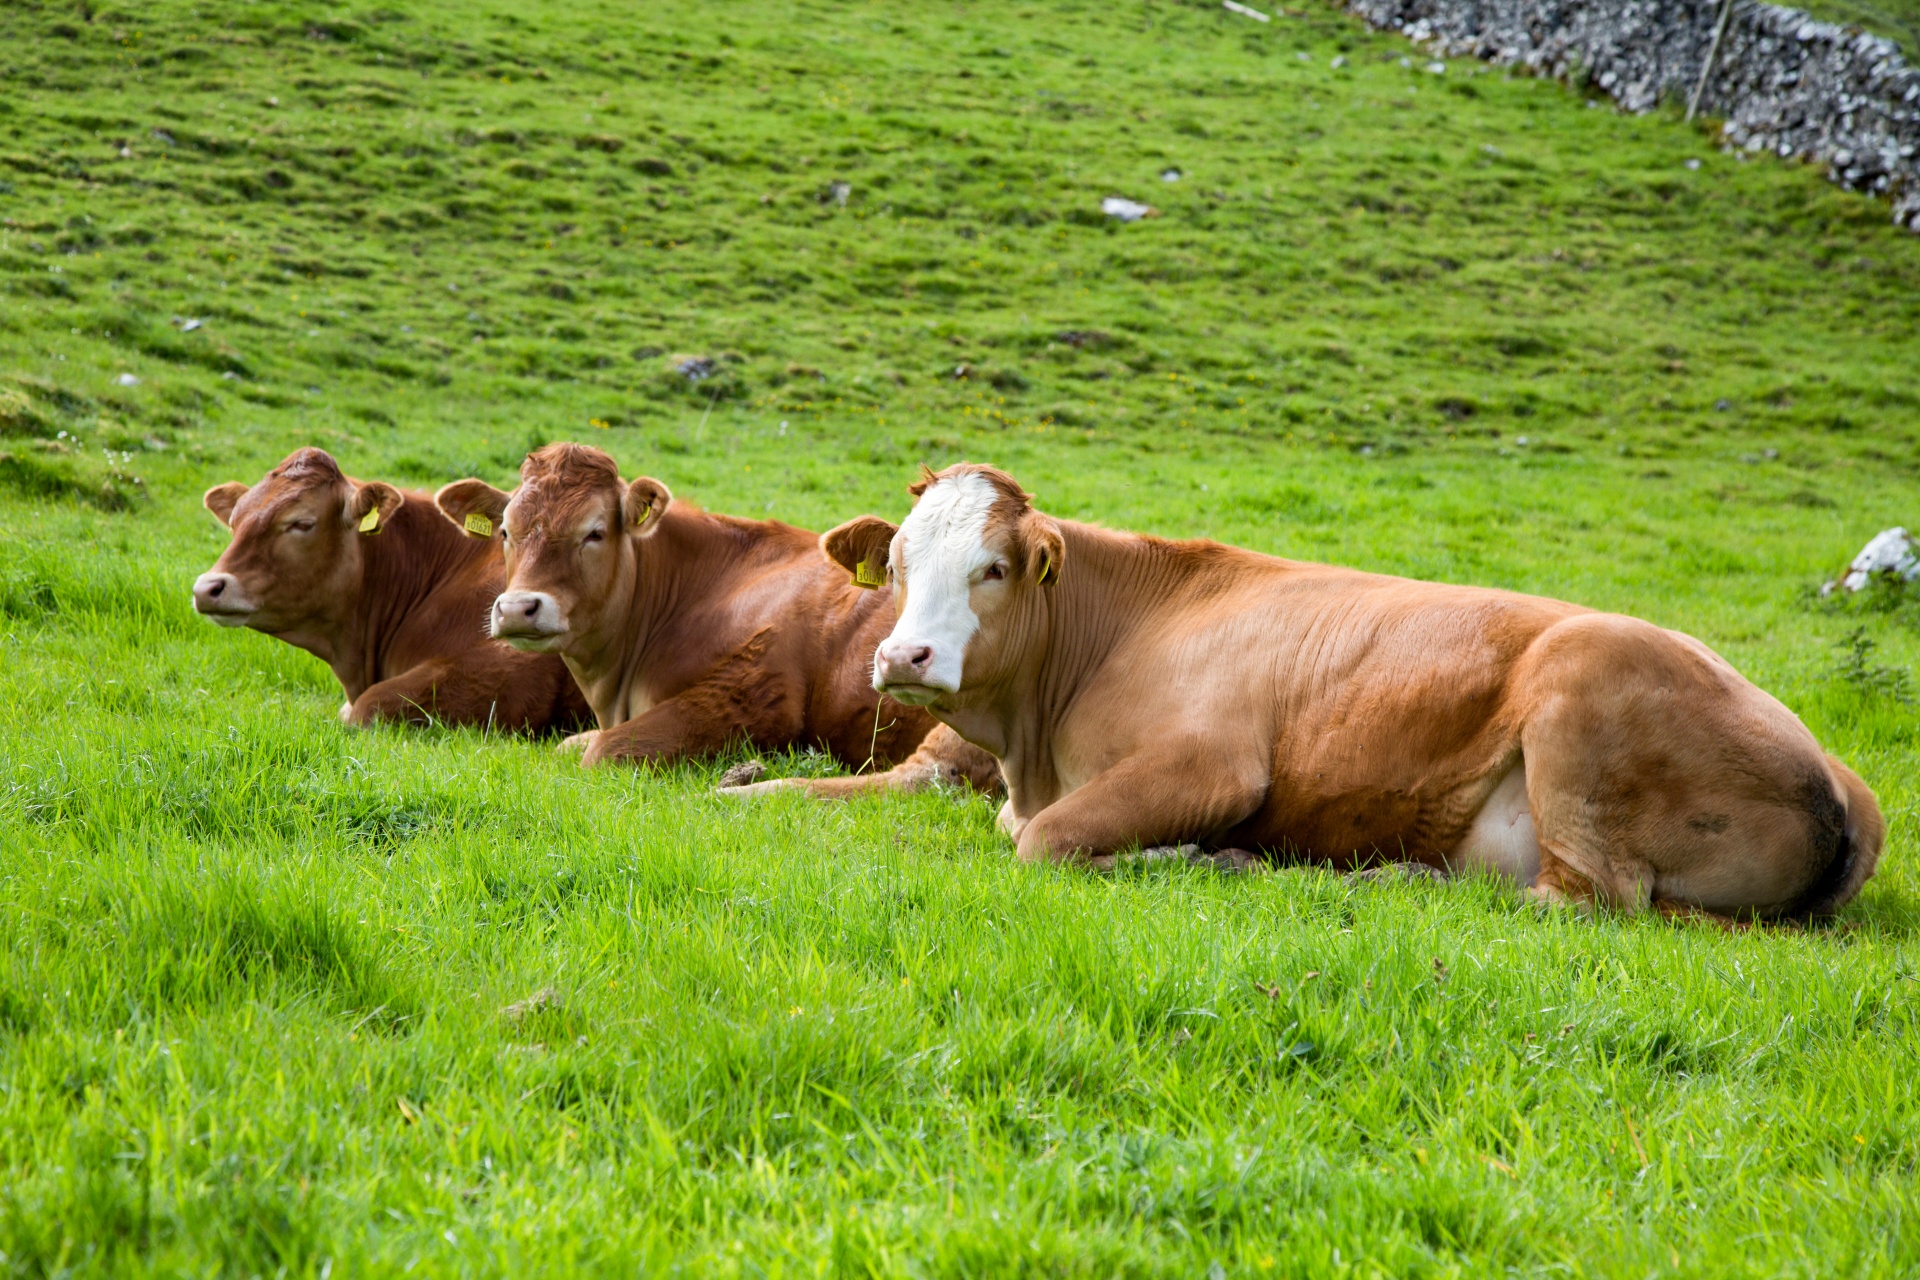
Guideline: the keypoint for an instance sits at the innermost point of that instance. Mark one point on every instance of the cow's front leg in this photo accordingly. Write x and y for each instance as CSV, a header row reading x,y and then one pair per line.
x,y
415,696
1178,794
943,759
702,721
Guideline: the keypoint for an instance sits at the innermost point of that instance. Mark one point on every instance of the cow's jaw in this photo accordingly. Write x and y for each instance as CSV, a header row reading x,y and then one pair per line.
x,y
942,546
531,621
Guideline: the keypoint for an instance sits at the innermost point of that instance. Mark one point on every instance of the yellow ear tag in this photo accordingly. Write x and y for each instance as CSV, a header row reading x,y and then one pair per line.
x,y
478,525
869,574
1046,573
370,521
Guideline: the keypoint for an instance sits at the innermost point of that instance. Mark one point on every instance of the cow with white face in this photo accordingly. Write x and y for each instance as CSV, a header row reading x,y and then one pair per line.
x,y
1145,692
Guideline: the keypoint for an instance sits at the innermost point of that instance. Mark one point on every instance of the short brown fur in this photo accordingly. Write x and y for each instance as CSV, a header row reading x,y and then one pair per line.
x,y
1160,692
399,611
691,632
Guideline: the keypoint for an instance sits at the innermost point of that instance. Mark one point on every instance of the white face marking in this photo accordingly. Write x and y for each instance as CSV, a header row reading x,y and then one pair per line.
x,y
941,553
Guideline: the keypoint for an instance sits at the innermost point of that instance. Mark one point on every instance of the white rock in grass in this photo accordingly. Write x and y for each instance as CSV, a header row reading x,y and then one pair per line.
x,y
1127,210
1888,552
127,380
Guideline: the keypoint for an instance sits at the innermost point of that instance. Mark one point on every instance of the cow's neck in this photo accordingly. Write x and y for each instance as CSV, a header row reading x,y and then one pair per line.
x,y
410,578
645,629
1109,582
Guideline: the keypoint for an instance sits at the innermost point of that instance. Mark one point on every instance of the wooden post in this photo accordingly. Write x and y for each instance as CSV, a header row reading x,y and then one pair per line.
x,y
1713,55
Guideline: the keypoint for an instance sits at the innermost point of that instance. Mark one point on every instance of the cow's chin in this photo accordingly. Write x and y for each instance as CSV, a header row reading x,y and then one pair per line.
x,y
915,695
534,641
230,618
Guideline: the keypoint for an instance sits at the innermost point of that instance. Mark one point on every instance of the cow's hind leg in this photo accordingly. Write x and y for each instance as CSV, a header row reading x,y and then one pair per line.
x,y
1656,774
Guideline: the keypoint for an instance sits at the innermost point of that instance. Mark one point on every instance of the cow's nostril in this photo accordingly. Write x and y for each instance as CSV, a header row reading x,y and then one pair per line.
x,y
921,656
215,587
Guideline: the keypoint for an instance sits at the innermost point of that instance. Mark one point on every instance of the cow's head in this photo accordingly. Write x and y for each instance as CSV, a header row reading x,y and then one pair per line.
x,y
296,553
966,568
570,533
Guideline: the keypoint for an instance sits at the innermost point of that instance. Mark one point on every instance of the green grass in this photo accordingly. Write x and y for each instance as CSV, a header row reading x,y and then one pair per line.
x,y
1897,20
253,966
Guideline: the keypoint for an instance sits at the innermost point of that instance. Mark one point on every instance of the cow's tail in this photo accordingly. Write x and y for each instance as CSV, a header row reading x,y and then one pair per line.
x,y
1855,853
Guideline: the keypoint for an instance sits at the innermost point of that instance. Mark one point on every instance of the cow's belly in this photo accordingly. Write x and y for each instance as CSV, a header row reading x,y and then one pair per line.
x,y
1502,839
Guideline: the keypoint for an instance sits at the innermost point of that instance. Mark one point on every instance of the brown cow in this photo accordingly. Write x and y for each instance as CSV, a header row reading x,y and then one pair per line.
x,y
690,632
372,582
1139,691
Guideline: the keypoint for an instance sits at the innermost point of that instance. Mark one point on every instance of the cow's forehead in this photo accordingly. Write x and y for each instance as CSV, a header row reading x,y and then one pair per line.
x,y
546,500
279,490
560,483
951,518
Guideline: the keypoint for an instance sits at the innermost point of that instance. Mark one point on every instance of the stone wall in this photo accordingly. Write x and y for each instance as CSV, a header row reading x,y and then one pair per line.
x,y
1783,82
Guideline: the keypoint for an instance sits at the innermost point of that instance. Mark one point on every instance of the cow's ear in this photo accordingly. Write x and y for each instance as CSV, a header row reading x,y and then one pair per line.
x,y
475,506
372,505
221,500
860,547
645,502
1045,548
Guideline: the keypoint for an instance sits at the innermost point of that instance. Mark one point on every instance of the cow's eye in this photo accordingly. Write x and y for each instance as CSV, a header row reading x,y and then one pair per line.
x,y
300,526
594,535
995,572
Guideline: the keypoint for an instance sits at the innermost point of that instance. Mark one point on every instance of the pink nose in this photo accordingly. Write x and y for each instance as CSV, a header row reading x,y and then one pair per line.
x,y
903,663
215,592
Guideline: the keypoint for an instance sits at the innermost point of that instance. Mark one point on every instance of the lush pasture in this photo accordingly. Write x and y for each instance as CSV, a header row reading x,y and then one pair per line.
x,y
278,997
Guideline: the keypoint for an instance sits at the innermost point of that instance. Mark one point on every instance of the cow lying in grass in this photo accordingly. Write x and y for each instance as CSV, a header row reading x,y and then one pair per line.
x,y
372,582
1145,692
690,632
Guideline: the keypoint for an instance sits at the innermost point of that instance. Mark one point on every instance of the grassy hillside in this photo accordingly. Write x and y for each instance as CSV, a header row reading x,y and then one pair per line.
x,y
1898,20
259,974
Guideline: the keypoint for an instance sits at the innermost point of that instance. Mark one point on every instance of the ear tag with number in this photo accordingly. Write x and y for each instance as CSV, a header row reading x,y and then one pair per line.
x,y
478,525
370,521
869,574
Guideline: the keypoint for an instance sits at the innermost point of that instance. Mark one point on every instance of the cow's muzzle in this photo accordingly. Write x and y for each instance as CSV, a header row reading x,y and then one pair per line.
x,y
903,671
527,619
219,596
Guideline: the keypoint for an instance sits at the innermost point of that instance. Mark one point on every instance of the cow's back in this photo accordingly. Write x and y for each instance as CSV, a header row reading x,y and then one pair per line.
x,y
1373,703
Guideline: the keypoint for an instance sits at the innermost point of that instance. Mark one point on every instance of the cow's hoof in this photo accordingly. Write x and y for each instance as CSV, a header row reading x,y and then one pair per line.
x,y
1550,898
578,744
742,774
1400,872
1230,860
346,713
